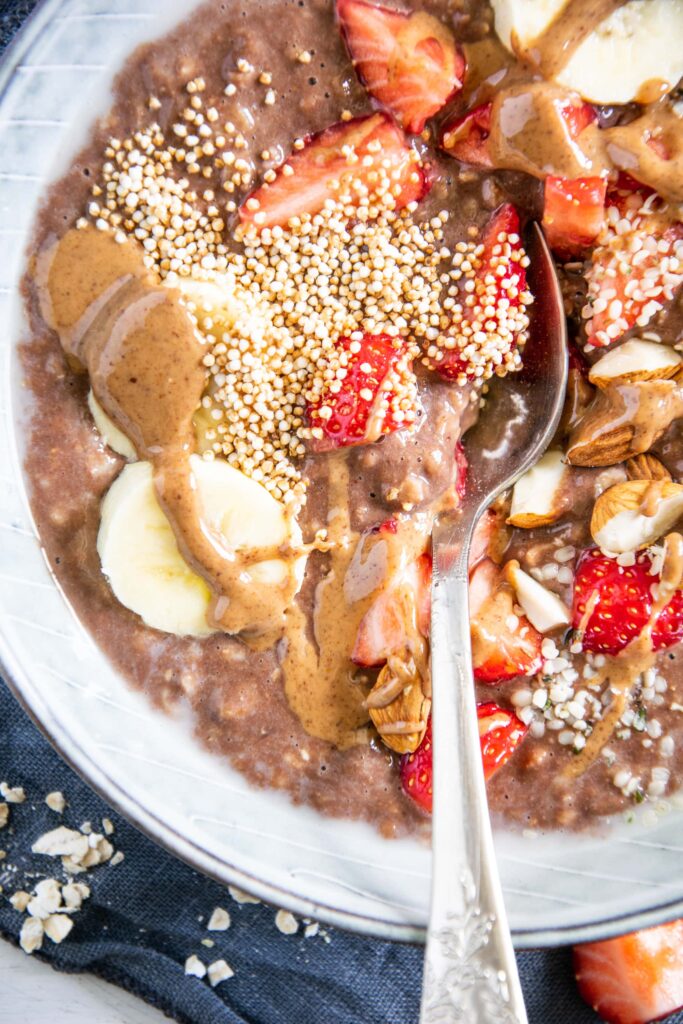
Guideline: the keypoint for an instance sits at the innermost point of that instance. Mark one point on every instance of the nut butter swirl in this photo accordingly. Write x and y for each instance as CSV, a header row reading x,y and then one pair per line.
x,y
144,358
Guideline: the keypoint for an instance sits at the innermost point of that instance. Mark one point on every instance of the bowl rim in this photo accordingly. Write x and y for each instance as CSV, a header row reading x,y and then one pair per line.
x,y
27,694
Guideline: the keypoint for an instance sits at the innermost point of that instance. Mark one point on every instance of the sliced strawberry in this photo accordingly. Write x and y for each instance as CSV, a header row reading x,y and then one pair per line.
x,y
402,607
466,138
633,979
573,213
370,149
500,296
504,644
613,603
500,733
460,471
374,393
636,268
408,61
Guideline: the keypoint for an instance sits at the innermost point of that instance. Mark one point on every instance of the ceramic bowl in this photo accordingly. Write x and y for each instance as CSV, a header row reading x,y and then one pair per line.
x,y
559,888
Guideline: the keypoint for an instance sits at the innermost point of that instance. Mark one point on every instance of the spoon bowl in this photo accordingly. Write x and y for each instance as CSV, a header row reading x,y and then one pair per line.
x,y
470,969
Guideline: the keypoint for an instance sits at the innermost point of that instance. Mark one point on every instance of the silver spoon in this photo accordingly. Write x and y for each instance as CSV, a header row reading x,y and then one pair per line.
x,y
470,969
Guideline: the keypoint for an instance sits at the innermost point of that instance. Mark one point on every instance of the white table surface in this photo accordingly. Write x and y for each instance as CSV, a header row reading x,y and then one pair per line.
x,y
31,991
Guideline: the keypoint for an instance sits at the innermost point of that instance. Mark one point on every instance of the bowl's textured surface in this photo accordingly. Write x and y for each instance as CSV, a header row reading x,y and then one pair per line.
x,y
52,84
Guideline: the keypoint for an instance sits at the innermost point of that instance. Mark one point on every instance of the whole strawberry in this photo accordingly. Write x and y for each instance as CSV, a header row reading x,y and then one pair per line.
x,y
622,604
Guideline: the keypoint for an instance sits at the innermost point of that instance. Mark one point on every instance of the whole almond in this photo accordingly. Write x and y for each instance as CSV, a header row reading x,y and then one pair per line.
x,y
635,514
402,722
647,467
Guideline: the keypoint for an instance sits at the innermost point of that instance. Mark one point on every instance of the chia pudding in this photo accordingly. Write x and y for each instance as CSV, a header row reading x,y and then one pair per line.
x,y
265,304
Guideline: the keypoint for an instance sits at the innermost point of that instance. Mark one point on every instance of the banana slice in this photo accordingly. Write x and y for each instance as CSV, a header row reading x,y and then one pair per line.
x,y
620,60
111,434
140,557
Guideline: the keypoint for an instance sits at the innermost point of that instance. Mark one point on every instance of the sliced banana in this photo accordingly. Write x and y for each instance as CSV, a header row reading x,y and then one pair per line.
x,y
536,497
140,556
111,435
637,45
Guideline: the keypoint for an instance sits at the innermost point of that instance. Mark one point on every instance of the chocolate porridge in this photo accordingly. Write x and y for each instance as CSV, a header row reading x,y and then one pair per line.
x,y
266,302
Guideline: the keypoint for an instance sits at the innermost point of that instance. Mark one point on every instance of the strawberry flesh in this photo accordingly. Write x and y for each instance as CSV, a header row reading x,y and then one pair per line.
x,y
623,604
500,650
633,979
328,162
503,223
408,61
403,606
376,395
500,732
573,213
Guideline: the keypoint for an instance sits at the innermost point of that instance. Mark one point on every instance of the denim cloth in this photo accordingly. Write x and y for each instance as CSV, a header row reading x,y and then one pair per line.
x,y
149,913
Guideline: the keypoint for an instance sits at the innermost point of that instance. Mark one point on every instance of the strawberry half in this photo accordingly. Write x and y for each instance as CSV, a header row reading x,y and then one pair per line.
x,y
372,150
573,213
622,599
467,137
408,61
402,607
500,733
497,304
636,268
633,979
504,644
374,393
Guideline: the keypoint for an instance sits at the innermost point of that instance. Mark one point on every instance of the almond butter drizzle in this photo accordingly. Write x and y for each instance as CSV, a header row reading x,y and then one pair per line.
x,y
144,359
575,22
623,670
650,149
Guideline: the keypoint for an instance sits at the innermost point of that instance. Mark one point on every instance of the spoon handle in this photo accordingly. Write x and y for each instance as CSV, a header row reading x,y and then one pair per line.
x,y
470,968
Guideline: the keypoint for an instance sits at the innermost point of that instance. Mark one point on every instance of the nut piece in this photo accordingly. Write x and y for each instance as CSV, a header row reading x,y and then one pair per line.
x,y
537,495
397,705
635,360
635,514
624,420
647,467
544,609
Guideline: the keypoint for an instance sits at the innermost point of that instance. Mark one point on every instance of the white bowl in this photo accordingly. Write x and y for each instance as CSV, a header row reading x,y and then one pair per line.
x,y
559,888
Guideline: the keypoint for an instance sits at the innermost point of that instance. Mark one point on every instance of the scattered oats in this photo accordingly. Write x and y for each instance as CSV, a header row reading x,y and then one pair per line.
x,y
107,826
57,927
12,794
219,920
4,815
117,858
209,943
194,967
286,922
20,900
311,930
74,893
219,971
240,896
47,899
62,842
31,935
56,801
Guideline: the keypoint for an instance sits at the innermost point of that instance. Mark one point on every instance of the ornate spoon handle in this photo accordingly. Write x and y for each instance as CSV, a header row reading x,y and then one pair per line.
x,y
470,968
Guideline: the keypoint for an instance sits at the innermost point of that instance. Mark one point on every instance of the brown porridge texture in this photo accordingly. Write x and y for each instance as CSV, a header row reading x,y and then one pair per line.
x,y
236,694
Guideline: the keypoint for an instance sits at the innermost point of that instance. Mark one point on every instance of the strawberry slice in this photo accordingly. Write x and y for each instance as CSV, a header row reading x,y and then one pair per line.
x,y
401,608
504,644
636,268
467,137
573,213
500,295
408,61
500,733
636,978
370,149
613,603
374,392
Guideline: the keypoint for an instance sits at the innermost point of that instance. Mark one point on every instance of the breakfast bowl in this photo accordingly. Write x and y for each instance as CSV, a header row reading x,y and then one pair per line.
x,y
157,755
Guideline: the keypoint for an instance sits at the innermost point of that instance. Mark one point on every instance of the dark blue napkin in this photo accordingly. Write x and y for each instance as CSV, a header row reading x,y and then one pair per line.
x,y
147,914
